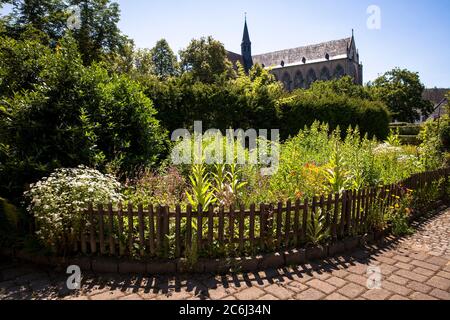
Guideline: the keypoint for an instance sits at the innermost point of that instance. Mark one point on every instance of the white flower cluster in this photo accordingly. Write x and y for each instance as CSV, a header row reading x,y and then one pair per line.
x,y
57,202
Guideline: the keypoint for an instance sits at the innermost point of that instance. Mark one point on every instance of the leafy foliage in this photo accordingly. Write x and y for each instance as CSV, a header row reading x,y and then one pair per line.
x,y
206,59
69,115
163,60
401,91
304,107
58,202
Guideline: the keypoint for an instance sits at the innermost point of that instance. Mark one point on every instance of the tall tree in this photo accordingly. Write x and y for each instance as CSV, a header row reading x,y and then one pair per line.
x,y
206,59
43,15
401,91
164,60
97,34
143,61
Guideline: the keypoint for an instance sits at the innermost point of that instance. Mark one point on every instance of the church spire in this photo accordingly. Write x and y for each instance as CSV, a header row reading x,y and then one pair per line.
x,y
246,37
246,48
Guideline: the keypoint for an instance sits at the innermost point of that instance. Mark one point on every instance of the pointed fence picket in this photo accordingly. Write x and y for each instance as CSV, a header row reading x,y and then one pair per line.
x,y
161,231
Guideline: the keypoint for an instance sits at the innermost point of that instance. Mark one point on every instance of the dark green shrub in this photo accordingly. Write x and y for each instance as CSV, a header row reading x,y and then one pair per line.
x,y
74,115
304,108
410,130
445,135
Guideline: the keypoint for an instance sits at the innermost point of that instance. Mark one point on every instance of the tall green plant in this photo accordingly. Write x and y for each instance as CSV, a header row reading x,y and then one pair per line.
x,y
202,191
337,175
317,232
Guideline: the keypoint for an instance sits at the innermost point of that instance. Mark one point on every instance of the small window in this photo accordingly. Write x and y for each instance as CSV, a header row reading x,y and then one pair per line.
x,y
282,63
263,65
304,60
327,56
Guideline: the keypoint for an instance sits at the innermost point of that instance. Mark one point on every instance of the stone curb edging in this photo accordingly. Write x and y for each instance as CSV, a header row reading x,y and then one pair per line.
x,y
180,266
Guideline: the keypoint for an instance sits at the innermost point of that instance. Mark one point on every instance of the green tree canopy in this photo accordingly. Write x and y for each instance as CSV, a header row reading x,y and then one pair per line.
x,y
401,91
206,59
97,36
342,86
164,60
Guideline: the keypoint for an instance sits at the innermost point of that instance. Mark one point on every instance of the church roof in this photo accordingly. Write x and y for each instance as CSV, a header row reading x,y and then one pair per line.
x,y
235,57
313,52
440,109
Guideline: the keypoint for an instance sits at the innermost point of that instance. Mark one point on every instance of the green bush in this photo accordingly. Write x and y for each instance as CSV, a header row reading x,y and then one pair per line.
x,y
304,108
71,115
410,130
445,134
245,102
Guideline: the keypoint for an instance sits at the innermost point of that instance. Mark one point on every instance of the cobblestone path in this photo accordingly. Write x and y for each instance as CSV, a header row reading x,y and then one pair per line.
x,y
415,268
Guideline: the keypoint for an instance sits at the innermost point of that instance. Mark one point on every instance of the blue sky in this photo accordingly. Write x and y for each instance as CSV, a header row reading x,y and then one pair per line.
x,y
414,34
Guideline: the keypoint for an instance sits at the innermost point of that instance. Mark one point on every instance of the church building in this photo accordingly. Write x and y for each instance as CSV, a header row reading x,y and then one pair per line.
x,y
300,67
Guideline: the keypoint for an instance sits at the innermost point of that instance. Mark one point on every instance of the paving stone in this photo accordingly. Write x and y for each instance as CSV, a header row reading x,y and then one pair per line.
x,y
440,283
336,297
386,260
252,293
174,295
310,294
75,298
442,274
425,265
419,287
421,296
296,286
358,269
396,297
411,276
440,294
220,292
424,272
386,269
352,290
357,279
396,288
398,279
337,282
109,295
279,291
438,261
377,294
404,266
321,285
268,297
132,297
402,258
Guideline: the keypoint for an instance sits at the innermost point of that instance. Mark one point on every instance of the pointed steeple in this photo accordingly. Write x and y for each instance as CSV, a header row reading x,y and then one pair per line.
x,y
246,48
246,37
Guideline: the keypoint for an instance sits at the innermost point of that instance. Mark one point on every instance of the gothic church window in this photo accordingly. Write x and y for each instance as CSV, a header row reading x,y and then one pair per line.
x,y
339,72
325,74
287,81
299,82
310,78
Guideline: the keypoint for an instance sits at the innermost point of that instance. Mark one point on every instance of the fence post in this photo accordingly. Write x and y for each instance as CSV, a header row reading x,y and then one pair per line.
x,y
92,229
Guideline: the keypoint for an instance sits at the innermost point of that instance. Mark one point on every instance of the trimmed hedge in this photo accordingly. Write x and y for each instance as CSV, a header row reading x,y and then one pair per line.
x,y
303,109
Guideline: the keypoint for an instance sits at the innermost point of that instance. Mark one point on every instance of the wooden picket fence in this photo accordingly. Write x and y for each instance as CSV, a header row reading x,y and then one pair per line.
x,y
160,232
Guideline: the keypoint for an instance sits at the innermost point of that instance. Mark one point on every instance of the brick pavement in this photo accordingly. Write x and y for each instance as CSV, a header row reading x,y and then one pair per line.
x,y
413,268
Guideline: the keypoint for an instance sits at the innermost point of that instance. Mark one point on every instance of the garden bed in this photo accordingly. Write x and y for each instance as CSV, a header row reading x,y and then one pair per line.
x,y
345,225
